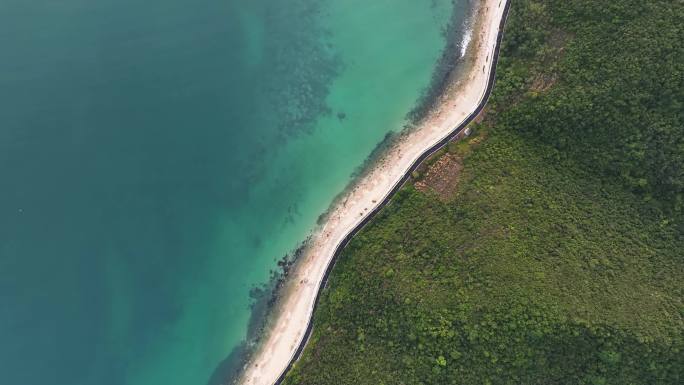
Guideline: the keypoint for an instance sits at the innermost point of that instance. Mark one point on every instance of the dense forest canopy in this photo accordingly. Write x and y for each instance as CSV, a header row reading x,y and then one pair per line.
x,y
618,107
558,258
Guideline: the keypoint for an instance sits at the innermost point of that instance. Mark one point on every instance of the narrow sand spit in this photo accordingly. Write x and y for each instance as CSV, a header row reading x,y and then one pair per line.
x,y
291,318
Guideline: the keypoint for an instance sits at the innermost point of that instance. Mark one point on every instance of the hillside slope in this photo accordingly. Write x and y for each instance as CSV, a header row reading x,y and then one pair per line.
x,y
554,251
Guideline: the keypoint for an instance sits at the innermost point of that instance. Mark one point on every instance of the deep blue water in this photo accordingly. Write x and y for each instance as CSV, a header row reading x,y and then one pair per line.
x,y
157,158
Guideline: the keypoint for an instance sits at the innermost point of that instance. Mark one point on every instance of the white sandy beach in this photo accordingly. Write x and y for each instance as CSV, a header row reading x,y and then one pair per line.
x,y
291,318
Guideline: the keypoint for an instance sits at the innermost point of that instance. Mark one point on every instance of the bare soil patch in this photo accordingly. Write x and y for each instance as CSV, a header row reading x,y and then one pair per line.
x,y
442,177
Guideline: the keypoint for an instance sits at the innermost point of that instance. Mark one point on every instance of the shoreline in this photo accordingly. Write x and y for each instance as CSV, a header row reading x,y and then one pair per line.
x,y
289,326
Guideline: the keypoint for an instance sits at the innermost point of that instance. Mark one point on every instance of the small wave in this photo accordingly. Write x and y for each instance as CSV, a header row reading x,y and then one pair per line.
x,y
467,37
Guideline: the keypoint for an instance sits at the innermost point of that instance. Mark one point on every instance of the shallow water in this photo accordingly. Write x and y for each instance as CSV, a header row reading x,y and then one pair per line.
x,y
158,157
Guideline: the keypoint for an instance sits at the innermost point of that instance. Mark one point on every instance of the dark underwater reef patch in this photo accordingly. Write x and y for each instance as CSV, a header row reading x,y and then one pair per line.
x,y
447,65
305,66
264,298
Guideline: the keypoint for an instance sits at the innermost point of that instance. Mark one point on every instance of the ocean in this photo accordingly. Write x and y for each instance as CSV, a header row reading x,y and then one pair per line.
x,y
158,158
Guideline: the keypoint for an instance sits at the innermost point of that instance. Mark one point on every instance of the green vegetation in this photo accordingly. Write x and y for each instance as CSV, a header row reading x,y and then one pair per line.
x,y
560,257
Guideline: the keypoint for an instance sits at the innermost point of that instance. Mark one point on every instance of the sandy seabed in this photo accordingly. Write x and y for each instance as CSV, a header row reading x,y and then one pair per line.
x,y
290,319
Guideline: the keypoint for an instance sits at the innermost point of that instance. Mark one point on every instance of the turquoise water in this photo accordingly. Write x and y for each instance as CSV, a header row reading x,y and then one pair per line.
x,y
158,157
